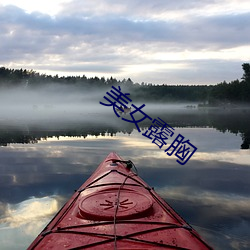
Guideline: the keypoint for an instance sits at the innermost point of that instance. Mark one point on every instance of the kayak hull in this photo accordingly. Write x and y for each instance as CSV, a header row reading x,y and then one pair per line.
x,y
116,209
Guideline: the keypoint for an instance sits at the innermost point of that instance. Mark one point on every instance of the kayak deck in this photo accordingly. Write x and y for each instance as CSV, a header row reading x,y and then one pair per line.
x,y
116,209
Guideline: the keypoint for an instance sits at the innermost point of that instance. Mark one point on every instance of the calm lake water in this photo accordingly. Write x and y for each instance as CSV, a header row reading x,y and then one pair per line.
x,y
45,157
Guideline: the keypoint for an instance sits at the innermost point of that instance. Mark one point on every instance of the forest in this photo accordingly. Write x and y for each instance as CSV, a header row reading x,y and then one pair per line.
x,y
224,93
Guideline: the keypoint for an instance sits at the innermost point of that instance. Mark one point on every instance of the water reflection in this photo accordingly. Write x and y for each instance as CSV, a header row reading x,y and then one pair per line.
x,y
31,210
22,220
102,123
211,191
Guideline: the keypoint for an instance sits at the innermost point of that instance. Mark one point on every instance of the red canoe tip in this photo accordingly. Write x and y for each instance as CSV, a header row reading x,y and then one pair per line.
x,y
112,155
115,207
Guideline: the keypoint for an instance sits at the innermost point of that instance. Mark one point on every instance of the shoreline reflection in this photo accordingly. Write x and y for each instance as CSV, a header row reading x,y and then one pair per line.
x,y
211,191
102,124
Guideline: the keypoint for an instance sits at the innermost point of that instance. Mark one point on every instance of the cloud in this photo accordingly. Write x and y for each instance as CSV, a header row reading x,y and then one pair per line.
x,y
233,204
116,30
26,220
29,210
149,9
115,38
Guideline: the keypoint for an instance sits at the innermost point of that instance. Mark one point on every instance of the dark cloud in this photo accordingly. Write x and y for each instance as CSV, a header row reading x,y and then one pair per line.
x,y
205,30
111,38
225,31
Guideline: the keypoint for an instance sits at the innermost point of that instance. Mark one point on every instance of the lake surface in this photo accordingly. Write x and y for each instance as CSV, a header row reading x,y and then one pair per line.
x,y
46,155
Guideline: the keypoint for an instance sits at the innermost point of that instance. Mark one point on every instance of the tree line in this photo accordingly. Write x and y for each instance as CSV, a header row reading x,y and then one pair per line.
x,y
236,91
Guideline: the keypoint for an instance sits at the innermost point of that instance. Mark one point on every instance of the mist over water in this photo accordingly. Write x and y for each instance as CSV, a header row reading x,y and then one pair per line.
x,y
61,103
40,174
53,103
57,109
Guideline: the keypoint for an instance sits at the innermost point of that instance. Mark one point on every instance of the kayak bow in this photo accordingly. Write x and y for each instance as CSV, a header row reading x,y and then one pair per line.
x,y
116,209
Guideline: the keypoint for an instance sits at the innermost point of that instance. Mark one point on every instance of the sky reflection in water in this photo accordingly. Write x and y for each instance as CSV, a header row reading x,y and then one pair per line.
x,y
211,191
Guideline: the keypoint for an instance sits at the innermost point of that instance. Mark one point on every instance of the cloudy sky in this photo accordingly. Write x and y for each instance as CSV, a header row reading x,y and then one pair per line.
x,y
157,41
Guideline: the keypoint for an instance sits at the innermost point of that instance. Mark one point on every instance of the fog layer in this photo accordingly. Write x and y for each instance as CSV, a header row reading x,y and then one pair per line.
x,y
53,103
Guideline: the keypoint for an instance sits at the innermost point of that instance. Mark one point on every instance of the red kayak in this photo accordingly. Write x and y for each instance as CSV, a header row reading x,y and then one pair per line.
x,y
116,209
